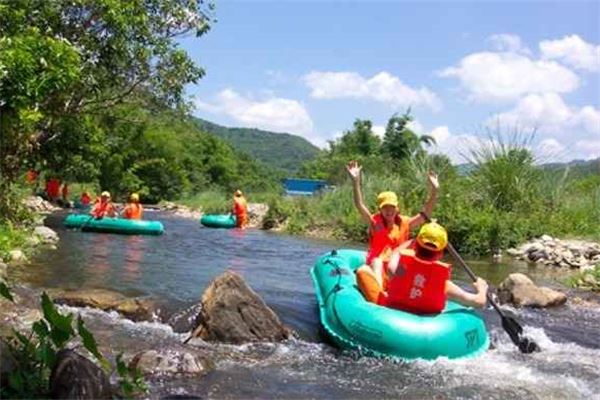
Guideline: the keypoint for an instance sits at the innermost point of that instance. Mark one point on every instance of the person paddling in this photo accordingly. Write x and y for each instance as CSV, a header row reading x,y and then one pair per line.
x,y
133,209
388,229
240,209
418,281
103,207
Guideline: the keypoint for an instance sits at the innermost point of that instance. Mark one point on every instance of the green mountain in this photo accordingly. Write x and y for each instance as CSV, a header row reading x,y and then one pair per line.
x,y
279,150
576,168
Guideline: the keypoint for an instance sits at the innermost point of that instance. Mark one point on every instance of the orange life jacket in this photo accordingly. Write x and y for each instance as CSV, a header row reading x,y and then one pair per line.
x,y
133,211
383,239
102,209
240,209
420,285
31,176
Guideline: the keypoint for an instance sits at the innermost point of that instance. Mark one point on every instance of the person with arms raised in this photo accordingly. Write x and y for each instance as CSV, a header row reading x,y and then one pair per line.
x,y
388,229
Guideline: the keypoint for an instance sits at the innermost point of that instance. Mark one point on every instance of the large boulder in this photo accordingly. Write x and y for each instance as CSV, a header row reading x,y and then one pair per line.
x,y
46,234
76,377
107,300
233,313
256,214
16,257
520,291
37,204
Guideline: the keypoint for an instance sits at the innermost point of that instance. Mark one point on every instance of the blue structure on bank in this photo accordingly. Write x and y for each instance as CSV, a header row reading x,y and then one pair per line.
x,y
303,187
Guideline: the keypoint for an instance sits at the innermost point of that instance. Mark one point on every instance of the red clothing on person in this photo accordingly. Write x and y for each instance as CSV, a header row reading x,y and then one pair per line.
x,y
85,199
383,239
240,209
31,176
420,287
53,188
103,209
65,192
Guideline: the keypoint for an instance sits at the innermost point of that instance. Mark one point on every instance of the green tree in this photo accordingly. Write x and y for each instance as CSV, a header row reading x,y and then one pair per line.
x,y
63,60
400,142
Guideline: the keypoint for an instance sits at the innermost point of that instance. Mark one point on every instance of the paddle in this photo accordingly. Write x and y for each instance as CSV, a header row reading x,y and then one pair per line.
x,y
510,325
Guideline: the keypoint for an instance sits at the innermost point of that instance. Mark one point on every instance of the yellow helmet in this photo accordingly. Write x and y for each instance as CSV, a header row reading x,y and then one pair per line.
x,y
134,197
238,193
433,236
387,199
105,194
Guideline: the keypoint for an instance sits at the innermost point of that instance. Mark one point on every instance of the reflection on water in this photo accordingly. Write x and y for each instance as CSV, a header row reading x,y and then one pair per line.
x,y
176,267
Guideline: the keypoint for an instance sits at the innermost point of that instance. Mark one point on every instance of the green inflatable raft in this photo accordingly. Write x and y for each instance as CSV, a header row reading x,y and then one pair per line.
x,y
113,225
354,323
218,220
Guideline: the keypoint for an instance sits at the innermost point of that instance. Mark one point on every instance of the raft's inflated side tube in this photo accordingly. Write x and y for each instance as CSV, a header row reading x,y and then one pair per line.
x,y
354,323
114,225
218,221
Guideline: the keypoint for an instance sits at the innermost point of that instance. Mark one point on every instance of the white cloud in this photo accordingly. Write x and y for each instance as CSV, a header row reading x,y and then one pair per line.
x,y
440,134
492,77
550,115
416,127
573,51
589,149
379,130
382,87
275,114
506,42
452,145
413,125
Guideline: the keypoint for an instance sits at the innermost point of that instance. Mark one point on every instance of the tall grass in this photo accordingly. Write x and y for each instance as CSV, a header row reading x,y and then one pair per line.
x,y
505,175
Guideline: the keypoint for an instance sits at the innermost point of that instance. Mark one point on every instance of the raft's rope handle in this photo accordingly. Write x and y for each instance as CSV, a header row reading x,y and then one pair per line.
x,y
337,288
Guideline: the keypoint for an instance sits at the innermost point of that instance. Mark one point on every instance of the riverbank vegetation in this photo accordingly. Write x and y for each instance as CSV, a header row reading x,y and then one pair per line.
x,y
504,198
93,92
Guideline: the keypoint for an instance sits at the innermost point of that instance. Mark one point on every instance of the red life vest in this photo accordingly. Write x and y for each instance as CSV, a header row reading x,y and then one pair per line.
x,y
53,188
85,199
382,238
240,210
420,286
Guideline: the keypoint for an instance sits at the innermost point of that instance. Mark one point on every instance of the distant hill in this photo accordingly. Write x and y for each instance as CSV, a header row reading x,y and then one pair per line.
x,y
577,168
279,150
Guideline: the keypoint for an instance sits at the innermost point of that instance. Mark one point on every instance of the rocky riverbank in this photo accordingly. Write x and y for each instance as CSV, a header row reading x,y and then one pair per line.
x,y
568,254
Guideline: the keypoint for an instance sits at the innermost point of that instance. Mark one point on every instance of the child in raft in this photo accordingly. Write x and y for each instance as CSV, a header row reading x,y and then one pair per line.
x,y
418,282
387,228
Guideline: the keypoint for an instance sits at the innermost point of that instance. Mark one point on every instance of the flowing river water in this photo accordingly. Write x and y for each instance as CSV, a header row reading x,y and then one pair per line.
x,y
176,267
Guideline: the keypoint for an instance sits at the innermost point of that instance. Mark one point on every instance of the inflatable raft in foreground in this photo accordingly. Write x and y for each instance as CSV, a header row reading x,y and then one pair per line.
x,y
113,225
218,221
354,323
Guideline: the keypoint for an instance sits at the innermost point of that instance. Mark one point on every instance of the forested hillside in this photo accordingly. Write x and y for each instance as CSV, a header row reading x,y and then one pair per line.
x,y
279,150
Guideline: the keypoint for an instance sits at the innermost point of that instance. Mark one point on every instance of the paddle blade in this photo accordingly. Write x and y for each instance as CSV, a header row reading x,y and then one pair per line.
x,y
515,330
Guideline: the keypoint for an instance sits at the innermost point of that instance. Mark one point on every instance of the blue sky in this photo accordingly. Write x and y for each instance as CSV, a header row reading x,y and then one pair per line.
x,y
312,67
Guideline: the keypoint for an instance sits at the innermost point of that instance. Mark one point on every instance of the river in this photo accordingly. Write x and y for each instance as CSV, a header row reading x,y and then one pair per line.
x,y
177,266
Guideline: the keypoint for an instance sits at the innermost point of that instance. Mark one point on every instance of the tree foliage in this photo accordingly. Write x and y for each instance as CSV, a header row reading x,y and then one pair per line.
x,y
63,62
